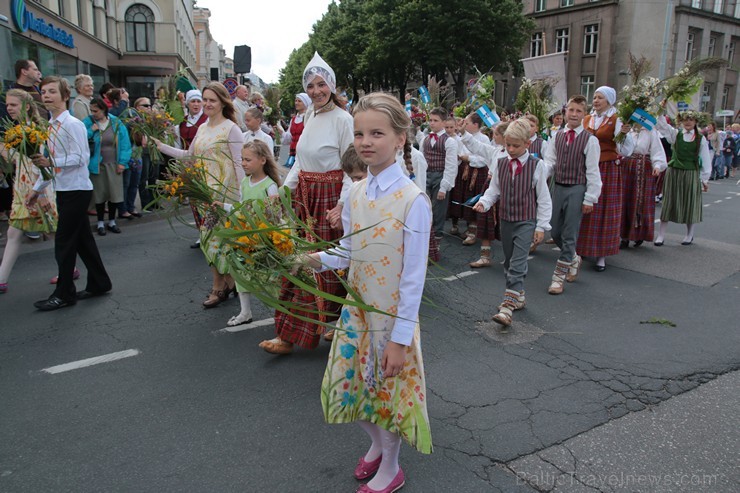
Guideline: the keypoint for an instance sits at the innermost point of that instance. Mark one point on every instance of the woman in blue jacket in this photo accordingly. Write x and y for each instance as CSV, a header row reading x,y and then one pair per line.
x,y
110,152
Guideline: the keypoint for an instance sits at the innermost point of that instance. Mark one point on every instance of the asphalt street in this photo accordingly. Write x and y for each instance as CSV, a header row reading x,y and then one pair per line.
x,y
629,381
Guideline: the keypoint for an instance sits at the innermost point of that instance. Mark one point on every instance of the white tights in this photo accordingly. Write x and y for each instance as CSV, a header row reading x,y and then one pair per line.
x,y
389,445
664,226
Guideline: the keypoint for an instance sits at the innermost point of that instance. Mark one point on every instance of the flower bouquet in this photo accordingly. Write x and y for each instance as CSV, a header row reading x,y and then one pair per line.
x,y
640,99
535,98
155,124
682,86
27,139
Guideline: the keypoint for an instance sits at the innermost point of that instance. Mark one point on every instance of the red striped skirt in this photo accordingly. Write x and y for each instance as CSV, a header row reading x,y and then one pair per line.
x,y
316,193
487,222
638,200
599,234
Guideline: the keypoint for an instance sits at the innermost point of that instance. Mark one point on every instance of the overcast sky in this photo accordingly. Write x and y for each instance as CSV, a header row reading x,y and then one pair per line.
x,y
272,28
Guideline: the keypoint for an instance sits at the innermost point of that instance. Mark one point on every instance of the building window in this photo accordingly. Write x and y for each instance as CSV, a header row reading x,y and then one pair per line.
x,y
696,4
731,53
737,10
139,28
725,98
690,46
591,39
566,3
561,39
587,86
539,5
706,90
536,45
712,45
718,4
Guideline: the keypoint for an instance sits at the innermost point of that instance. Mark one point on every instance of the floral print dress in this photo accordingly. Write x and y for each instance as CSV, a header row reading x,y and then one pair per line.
x,y
353,388
21,217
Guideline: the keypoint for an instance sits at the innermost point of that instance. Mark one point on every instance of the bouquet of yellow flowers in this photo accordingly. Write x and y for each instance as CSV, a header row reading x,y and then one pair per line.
x,y
155,124
27,139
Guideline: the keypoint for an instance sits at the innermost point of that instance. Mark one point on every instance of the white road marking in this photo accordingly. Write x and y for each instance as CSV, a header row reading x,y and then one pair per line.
x,y
705,205
460,275
253,325
717,201
728,198
106,358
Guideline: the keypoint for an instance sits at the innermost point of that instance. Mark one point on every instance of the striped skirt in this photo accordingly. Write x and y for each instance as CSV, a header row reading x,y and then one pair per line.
x,y
488,224
316,193
599,234
458,194
638,201
682,197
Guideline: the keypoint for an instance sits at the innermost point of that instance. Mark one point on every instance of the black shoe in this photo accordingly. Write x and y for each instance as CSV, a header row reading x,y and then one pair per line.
x,y
599,268
624,244
128,216
658,243
101,232
53,303
196,244
85,295
687,243
638,243
136,214
113,229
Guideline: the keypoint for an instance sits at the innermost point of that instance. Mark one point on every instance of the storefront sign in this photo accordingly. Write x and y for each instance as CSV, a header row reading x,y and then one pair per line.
x,y
25,21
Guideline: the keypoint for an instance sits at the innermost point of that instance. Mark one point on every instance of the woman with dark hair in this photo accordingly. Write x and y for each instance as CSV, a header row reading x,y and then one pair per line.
x,y
218,144
109,158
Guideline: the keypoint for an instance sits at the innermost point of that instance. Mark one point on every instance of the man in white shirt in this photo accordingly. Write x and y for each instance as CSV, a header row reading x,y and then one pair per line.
x,y
69,155
241,105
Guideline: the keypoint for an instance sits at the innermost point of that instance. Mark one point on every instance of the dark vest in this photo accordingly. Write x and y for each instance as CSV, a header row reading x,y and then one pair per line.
x,y
570,163
187,132
435,156
518,200
535,147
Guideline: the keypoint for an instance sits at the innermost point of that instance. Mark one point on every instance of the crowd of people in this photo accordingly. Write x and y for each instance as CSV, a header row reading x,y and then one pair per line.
x,y
590,180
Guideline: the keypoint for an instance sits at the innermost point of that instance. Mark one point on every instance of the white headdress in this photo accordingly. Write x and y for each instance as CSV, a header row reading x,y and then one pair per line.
x,y
317,67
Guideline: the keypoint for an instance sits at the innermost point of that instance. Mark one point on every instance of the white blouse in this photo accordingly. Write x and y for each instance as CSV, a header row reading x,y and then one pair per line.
x,y
647,142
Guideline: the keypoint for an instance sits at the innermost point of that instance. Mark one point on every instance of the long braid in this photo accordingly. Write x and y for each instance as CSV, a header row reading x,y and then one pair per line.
x,y
407,157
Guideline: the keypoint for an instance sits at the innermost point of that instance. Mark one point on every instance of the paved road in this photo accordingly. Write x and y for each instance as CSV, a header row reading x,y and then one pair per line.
x,y
194,408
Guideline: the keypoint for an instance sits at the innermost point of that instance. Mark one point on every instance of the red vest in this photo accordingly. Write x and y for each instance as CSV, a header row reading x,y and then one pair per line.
x,y
295,129
518,200
605,134
187,132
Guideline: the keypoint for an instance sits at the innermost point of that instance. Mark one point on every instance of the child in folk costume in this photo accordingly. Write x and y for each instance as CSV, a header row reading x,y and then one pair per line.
x,y
487,222
639,172
477,171
573,159
687,175
537,145
375,374
599,234
455,209
416,170
440,152
261,181
253,120
524,211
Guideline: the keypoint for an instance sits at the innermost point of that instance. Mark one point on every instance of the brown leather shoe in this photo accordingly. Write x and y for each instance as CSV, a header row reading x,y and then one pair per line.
x,y
216,298
277,346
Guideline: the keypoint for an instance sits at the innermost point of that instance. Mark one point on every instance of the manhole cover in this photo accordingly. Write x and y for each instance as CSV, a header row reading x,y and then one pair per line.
x,y
518,333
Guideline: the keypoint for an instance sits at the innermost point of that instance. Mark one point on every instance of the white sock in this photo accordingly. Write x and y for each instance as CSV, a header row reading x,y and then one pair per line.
x,y
376,447
601,261
112,223
12,248
661,231
689,232
101,224
246,304
389,465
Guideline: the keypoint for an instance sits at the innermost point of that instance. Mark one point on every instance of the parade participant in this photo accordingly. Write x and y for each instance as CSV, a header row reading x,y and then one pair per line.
x,y
525,209
573,160
218,144
556,123
109,159
295,129
687,175
319,188
487,222
537,145
253,119
261,181
241,105
478,175
196,117
378,357
599,234
41,218
639,172
440,152
455,209
69,154
85,90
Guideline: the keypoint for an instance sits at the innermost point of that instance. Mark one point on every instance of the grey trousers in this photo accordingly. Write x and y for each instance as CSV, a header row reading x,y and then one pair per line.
x,y
566,219
516,239
439,207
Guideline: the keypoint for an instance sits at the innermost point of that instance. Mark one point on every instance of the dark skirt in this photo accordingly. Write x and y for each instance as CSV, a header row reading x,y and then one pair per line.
x,y
638,201
599,234
488,224
682,197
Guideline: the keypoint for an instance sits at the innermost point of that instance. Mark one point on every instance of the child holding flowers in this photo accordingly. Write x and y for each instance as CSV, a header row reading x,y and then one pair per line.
x,y
21,141
375,373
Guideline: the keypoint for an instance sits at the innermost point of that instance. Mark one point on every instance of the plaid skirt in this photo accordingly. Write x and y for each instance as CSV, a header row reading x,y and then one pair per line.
x,y
488,228
455,209
638,200
316,193
599,234
682,197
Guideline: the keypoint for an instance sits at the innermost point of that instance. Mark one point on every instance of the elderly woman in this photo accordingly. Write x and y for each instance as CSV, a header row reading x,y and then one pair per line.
x,y
319,188
193,120
108,160
599,234
85,89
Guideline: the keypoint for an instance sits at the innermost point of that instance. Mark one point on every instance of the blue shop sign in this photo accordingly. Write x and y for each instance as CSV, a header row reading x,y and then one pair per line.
x,y
25,20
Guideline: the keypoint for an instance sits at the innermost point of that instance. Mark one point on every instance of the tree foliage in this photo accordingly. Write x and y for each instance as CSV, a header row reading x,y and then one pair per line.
x,y
386,44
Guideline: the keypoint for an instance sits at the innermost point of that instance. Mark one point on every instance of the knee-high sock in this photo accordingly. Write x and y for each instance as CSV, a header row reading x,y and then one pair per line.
x,y
376,447
661,231
246,304
689,232
12,248
389,464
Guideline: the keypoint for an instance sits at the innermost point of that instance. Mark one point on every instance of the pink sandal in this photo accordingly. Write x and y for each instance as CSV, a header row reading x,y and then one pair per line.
x,y
75,276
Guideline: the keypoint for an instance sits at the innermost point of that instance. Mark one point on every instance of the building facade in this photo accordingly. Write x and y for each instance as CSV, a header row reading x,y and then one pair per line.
x,y
210,63
597,37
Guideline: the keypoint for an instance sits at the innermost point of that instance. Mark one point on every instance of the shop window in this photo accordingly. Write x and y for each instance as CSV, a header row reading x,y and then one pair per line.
x,y
139,28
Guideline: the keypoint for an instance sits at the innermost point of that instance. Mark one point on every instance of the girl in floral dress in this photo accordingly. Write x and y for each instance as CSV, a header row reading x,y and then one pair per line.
x,y
375,373
42,217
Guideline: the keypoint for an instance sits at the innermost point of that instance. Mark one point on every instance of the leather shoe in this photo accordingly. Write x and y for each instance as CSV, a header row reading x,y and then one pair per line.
x,y
114,228
84,295
195,245
53,303
101,232
395,485
599,268
687,243
366,469
658,243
